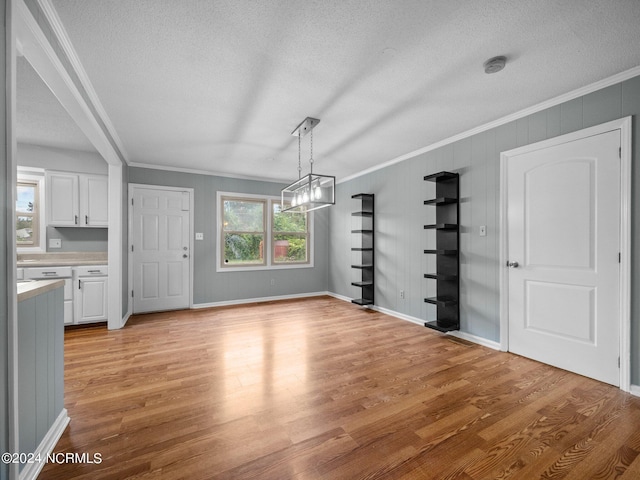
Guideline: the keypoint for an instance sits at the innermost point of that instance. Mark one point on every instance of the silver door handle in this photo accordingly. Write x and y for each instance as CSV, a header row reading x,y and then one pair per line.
x,y
185,256
512,264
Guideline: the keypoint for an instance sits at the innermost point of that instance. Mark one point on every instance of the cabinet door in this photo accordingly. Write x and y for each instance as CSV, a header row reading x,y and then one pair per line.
x,y
94,200
92,300
62,200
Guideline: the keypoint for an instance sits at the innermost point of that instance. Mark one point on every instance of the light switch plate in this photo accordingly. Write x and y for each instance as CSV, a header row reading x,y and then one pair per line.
x,y
199,236
55,243
483,230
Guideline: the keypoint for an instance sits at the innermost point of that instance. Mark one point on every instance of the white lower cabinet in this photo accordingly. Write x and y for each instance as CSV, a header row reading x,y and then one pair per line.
x,y
90,294
85,290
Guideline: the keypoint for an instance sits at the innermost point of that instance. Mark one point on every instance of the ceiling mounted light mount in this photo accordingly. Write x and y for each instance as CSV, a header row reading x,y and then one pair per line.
x,y
312,191
495,64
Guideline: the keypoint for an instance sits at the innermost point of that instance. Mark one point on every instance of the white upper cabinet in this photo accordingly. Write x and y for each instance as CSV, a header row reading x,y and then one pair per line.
x,y
76,200
94,210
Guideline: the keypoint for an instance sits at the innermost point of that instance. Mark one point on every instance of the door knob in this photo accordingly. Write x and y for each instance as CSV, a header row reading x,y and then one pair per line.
x,y
185,255
512,264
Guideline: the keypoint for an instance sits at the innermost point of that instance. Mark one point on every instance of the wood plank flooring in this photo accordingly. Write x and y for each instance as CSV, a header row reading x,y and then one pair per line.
x,y
321,389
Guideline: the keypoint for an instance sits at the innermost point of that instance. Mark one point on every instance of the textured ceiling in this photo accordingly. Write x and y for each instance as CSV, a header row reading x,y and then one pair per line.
x,y
219,85
41,120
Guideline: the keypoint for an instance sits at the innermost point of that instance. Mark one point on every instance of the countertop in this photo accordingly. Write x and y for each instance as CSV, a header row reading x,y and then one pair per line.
x,y
50,259
28,290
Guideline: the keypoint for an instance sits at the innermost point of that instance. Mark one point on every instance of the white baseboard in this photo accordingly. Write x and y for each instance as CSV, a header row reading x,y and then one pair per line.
x,y
48,443
635,390
243,301
339,297
125,319
475,339
420,321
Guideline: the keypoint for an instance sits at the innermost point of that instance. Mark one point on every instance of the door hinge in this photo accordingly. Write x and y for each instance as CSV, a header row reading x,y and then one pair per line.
x,y
132,202
619,152
618,362
619,257
132,248
131,293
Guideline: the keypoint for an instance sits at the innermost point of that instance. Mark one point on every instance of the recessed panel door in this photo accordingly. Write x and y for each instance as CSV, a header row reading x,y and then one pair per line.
x,y
161,279
563,248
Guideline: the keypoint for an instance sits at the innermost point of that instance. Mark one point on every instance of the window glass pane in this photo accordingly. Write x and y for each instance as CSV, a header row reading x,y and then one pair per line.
x,y
289,248
26,198
243,249
24,230
243,216
287,221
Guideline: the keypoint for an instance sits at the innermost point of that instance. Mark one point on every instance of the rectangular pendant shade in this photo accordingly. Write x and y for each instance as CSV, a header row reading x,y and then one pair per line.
x,y
311,192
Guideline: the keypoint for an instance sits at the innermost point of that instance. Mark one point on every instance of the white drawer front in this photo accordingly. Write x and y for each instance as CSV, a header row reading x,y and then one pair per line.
x,y
46,272
92,271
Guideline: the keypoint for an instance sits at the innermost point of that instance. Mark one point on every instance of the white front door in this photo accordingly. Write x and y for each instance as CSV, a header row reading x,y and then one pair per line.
x,y
161,249
563,231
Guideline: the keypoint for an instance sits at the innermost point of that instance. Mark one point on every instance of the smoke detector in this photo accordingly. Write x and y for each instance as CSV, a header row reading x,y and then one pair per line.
x,y
495,64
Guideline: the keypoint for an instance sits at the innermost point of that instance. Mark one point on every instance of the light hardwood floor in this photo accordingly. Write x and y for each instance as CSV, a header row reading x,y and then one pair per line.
x,y
321,389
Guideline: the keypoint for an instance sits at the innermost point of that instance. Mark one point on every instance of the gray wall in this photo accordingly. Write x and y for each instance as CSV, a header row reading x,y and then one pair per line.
x,y
73,239
4,252
63,159
210,286
400,214
78,239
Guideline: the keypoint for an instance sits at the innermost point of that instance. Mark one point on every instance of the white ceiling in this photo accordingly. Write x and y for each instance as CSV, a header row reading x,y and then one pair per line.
x,y
41,120
218,86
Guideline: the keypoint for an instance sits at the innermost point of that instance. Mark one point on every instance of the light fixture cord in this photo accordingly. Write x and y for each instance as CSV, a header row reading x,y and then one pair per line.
x,y
311,158
299,167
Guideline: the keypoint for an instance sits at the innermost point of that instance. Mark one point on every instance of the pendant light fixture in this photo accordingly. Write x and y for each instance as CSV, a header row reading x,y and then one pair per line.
x,y
312,191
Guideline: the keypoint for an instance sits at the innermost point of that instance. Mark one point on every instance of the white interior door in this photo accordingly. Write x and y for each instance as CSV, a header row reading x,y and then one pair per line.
x,y
161,249
563,231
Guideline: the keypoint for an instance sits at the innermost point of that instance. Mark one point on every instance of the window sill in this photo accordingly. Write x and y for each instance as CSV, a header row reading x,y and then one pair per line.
x,y
253,268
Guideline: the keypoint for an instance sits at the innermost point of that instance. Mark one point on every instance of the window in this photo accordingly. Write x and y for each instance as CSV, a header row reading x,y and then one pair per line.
x,y
243,231
255,234
290,236
27,214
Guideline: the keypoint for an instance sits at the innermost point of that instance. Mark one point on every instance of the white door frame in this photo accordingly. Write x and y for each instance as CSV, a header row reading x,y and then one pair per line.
x,y
132,186
624,126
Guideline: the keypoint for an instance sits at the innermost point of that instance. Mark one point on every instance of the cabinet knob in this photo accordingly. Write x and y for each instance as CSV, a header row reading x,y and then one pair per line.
x,y
185,256
512,264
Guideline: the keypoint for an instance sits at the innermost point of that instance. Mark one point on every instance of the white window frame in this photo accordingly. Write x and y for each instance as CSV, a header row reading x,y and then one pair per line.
x,y
35,176
268,246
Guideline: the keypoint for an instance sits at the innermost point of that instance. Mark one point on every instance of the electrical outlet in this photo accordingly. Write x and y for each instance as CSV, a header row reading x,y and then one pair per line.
x,y
483,230
199,236
55,243
402,294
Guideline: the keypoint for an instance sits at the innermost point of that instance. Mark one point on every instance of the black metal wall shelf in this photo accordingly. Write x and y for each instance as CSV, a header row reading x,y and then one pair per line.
x,y
367,266
447,251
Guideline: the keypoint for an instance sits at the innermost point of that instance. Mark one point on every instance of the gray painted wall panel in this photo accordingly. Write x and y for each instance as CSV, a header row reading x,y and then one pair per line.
x,y
602,106
571,115
41,366
477,159
210,286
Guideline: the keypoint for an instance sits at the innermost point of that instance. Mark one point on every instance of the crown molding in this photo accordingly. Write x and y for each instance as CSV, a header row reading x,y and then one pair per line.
x,y
607,82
